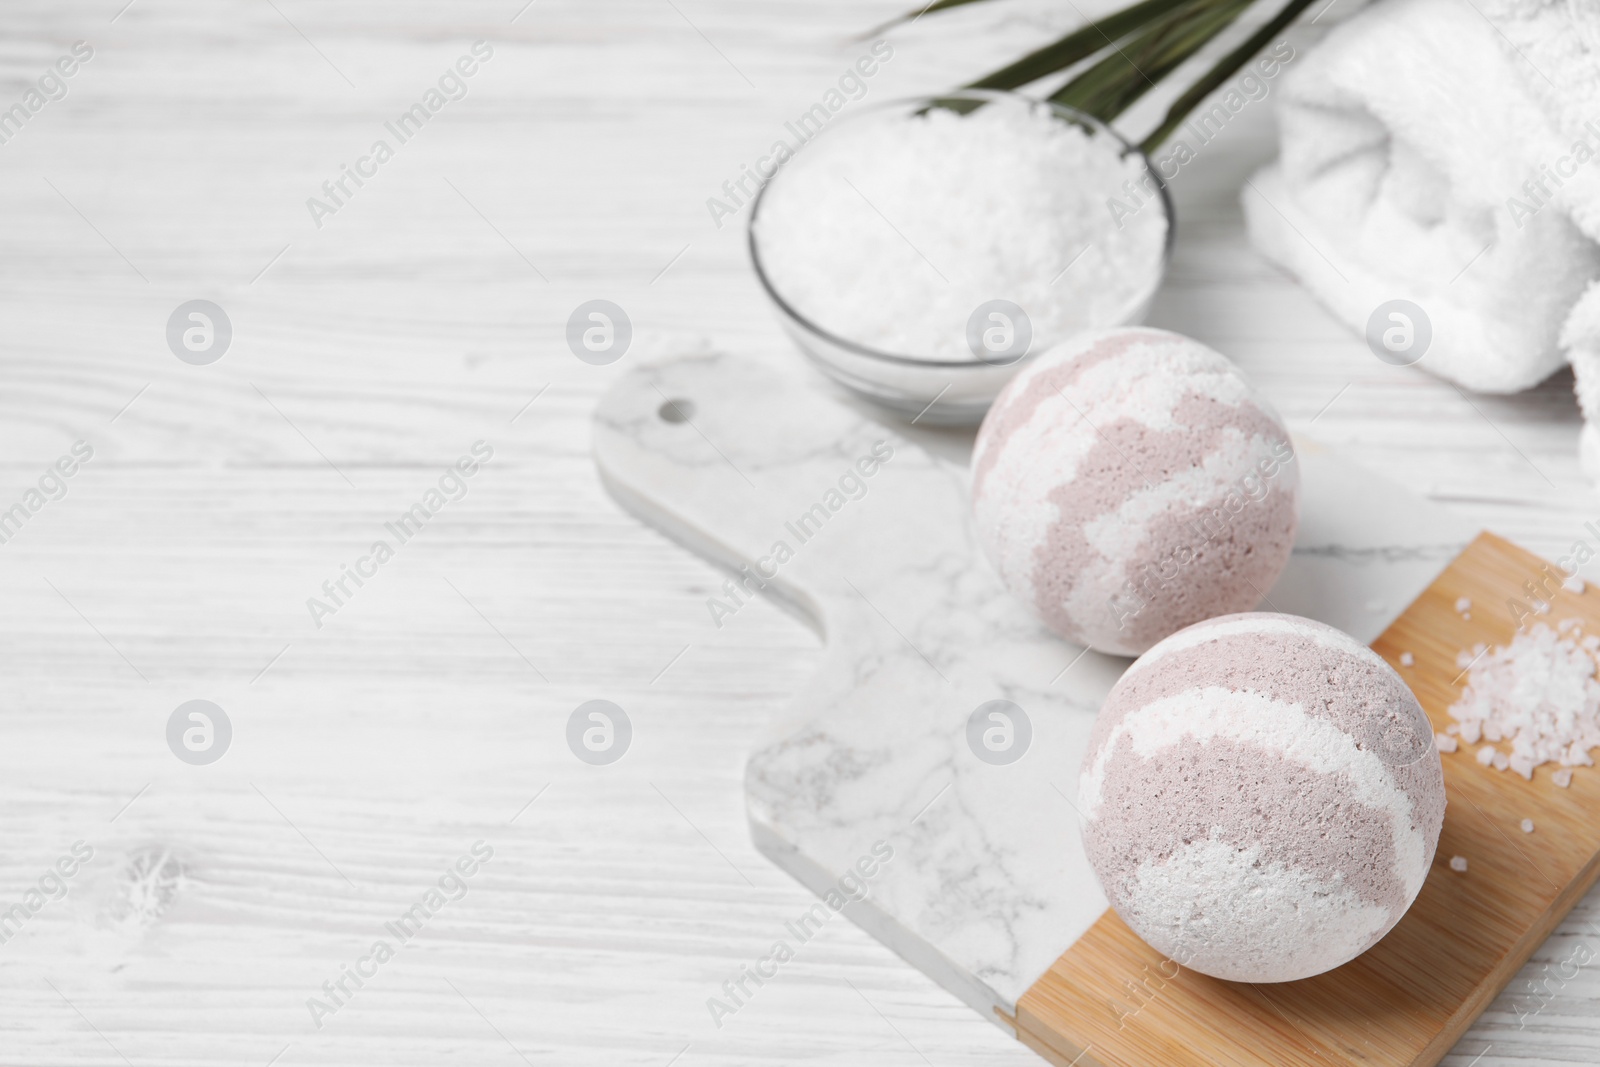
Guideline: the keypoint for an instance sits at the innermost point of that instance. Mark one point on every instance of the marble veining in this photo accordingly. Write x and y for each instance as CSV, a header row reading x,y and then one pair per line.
x,y
989,883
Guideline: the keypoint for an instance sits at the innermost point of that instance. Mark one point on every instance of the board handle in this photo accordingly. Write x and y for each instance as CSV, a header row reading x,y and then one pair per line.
x,y
804,498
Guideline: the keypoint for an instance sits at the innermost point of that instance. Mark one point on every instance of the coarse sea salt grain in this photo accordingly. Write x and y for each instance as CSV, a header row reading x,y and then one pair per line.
x,y
1527,826
1458,863
1574,585
1444,743
1407,659
1464,604
1538,694
891,229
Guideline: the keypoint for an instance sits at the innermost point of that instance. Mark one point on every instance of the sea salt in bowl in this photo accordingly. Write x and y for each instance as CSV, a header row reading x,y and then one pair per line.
x,y
1262,798
919,251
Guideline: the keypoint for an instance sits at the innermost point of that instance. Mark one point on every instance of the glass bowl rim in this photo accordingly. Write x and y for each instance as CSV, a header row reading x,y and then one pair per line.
x,y
1071,114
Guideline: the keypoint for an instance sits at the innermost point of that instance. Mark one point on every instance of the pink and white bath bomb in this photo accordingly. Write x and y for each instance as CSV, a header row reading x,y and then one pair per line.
x,y
1261,797
1131,482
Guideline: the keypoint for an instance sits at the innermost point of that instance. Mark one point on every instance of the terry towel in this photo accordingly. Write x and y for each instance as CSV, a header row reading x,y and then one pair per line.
x,y
1447,152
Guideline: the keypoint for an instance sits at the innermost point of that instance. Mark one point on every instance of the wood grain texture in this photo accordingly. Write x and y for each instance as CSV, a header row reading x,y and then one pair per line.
x,y
407,726
1112,1001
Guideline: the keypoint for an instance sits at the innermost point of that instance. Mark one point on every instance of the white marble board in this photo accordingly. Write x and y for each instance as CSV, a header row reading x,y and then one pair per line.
x,y
988,883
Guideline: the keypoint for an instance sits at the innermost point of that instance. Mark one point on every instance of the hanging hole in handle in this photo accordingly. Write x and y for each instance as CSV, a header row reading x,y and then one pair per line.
x,y
676,410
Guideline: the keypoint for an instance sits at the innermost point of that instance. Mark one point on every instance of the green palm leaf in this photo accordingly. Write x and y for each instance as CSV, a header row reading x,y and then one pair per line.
x,y
1136,47
912,16
1083,43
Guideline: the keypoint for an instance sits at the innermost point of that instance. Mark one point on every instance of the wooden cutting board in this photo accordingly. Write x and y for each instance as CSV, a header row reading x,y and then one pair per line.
x,y
1112,1000
988,891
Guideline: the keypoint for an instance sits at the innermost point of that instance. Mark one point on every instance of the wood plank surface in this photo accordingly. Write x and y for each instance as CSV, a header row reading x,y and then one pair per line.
x,y
413,723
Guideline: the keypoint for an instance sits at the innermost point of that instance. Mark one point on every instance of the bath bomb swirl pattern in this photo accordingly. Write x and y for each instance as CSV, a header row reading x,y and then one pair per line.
x,y
1262,798
1132,482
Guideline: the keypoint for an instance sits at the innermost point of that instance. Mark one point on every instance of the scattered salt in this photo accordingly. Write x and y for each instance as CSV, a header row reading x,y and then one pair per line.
x,y
894,228
1463,604
1527,826
1458,863
1407,659
1540,695
1574,585
1541,607
1562,778
1444,743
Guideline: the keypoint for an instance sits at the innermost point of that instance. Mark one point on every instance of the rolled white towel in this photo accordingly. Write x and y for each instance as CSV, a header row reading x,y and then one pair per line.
x,y
1413,151
1558,45
1581,338
1559,41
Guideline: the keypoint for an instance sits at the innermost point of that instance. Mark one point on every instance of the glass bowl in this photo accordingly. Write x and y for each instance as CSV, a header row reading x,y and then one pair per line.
x,y
934,391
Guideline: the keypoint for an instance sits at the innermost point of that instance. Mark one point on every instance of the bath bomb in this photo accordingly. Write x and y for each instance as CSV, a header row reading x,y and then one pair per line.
x,y
1131,482
1261,797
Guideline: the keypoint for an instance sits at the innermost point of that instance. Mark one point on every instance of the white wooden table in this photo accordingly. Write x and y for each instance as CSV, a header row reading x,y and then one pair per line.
x,y
429,711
